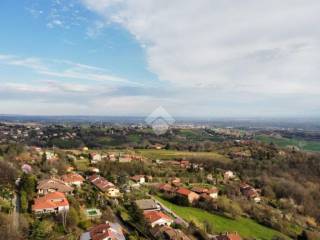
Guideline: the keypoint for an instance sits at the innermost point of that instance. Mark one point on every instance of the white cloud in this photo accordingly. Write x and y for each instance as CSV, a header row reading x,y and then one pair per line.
x,y
63,69
268,47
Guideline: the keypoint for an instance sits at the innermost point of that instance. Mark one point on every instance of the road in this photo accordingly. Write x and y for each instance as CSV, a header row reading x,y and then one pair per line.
x,y
168,210
15,213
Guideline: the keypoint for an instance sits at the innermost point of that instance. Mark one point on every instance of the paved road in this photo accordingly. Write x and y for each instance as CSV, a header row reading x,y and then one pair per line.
x,y
171,212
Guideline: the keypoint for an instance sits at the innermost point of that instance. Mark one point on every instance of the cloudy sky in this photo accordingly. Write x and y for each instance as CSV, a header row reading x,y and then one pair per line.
x,y
203,58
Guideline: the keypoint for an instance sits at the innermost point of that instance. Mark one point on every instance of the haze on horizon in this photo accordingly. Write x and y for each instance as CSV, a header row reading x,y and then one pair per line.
x,y
205,58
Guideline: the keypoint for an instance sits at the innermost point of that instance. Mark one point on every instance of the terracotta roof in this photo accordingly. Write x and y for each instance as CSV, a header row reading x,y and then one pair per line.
x,y
53,183
72,177
229,236
106,230
169,233
100,182
183,191
155,216
164,187
51,200
137,177
200,190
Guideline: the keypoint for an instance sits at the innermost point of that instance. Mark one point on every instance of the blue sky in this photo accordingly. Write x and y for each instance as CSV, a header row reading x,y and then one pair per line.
x,y
201,58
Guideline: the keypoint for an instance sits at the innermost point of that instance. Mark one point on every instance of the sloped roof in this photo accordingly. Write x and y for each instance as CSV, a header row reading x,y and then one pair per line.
x,y
72,177
155,216
184,191
51,200
100,182
104,230
146,204
53,183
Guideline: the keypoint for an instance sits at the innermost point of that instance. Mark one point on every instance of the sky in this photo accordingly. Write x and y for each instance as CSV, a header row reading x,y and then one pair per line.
x,y
204,58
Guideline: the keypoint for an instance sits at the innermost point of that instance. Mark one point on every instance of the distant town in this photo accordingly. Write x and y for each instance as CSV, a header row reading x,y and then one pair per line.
x,y
122,181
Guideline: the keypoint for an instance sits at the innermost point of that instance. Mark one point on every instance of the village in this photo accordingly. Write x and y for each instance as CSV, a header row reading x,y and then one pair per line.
x,y
83,185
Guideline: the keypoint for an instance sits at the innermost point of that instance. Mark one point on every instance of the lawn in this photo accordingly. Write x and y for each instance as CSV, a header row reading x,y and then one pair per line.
x,y
172,154
244,226
286,142
82,165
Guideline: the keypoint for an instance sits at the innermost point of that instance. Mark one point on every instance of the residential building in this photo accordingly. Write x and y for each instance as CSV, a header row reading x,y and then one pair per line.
x,y
104,231
228,236
95,158
54,202
105,186
138,179
53,185
73,179
250,192
157,218
147,205
228,175
191,196
169,233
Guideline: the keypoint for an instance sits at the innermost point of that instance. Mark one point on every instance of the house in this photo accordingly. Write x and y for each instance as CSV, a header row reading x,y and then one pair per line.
x,y
125,158
95,158
184,164
105,186
85,149
168,233
213,192
54,202
147,205
93,170
228,236
104,231
228,175
250,192
191,196
50,156
112,157
73,179
165,187
139,179
53,185
176,181
199,190
157,218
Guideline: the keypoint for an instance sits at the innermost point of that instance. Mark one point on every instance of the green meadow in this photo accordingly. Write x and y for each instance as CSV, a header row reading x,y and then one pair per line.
x,y
244,226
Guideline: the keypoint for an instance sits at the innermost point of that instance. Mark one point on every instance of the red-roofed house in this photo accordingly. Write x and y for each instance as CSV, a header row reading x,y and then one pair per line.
x,y
105,186
138,179
104,231
73,179
192,196
51,203
229,236
165,187
156,218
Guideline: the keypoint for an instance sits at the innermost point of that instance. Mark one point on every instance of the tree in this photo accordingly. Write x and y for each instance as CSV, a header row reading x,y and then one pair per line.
x,y
72,218
28,184
23,201
40,230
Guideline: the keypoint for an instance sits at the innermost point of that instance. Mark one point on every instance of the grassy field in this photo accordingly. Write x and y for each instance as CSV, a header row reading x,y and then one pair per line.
x,y
172,154
244,226
82,165
286,142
